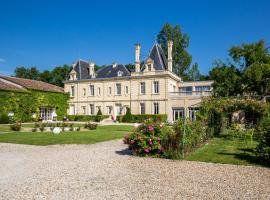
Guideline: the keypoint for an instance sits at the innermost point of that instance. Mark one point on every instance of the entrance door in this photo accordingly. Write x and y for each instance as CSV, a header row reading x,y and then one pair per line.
x,y
118,109
178,113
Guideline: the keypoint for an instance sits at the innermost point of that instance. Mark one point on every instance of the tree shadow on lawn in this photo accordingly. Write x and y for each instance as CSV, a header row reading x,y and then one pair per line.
x,y
248,156
124,152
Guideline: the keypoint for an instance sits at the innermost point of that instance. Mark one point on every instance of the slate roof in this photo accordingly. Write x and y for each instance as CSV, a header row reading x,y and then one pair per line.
x,y
159,58
110,71
14,83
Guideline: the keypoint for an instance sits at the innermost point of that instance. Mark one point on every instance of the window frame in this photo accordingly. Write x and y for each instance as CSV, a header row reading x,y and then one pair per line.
x,y
142,103
116,89
156,108
91,93
144,86
156,87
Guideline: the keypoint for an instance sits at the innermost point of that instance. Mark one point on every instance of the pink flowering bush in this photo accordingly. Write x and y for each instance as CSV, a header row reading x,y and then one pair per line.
x,y
146,139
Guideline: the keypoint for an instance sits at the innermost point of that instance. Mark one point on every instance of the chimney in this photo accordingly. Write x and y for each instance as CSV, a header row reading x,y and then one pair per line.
x,y
137,57
170,45
91,69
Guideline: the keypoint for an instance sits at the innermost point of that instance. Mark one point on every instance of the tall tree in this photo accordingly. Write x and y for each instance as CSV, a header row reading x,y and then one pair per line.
x,y
181,58
194,73
60,74
227,80
29,73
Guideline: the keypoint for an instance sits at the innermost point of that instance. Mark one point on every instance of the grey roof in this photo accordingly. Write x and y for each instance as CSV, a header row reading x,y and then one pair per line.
x,y
159,58
109,71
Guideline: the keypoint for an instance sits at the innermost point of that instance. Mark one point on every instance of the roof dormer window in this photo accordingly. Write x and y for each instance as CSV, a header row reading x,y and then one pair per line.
x,y
119,73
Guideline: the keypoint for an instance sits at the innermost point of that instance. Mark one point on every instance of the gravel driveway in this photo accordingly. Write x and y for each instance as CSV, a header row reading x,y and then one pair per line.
x,y
106,171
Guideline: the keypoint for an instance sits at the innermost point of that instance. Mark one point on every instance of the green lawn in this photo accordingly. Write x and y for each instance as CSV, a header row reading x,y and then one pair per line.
x,y
102,133
226,150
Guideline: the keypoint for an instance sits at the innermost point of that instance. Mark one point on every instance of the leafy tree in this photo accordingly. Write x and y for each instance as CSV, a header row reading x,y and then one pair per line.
x,y
29,73
181,58
227,80
247,54
256,79
194,72
128,116
130,67
60,74
46,76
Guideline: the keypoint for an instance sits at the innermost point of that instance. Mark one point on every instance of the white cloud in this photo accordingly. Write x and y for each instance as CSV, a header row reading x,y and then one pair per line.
x,y
2,60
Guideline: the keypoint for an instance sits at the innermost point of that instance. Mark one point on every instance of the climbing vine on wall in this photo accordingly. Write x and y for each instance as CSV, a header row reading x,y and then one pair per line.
x,y
24,104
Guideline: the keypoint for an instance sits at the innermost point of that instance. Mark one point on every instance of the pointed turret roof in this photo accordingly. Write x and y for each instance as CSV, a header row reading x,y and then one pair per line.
x,y
159,58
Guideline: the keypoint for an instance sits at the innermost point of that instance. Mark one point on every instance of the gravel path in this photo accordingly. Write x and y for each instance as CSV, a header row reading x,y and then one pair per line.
x,y
106,171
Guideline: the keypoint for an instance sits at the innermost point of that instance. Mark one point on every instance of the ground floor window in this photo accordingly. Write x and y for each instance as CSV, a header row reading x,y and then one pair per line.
x,y
118,108
46,113
91,109
178,113
156,108
84,110
192,113
109,110
72,109
142,108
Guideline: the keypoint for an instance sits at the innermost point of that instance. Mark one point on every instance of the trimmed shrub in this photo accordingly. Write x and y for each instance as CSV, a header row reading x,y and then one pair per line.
x,y
128,116
263,148
86,118
143,118
98,117
16,127
4,119
90,126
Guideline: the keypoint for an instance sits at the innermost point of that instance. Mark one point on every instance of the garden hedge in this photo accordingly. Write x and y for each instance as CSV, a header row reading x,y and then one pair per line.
x,y
86,118
142,118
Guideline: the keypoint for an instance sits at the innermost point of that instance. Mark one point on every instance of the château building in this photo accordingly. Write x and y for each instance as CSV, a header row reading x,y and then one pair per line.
x,y
152,88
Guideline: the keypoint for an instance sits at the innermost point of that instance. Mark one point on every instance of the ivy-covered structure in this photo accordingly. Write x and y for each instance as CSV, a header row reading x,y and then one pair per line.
x,y
28,100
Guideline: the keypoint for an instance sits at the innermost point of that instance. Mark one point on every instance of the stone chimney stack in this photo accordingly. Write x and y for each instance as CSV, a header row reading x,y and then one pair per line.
x,y
170,45
137,57
91,69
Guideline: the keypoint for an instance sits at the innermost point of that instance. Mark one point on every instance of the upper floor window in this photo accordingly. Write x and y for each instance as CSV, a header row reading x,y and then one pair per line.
x,y
156,108
149,67
99,91
120,73
156,87
186,89
92,90
118,88
202,88
126,89
84,92
72,92
110,90
142,87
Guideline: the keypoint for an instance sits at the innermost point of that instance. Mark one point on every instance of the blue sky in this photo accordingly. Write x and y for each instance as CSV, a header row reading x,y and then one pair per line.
x,y
50,33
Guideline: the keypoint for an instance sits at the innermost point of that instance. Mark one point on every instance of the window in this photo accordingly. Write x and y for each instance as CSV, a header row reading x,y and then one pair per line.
x,y
91,109
149,67
156,108
120,73
187,90
174,88
118,88
72,92
156,87
110,90
109,110
72,109
178,113
92,90
192,113
126,89
202,88
142,108
84,110
84,92
142,87
99,91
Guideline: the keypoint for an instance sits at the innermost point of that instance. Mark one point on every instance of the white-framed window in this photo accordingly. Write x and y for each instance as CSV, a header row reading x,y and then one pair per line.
x,y
126,89
92,90
149,66
202,88
72,109
142,108
192,113
84,110
99,91
119,73
142,87
109,90
156,108
83,91
72,92
91,109
118,89
156,87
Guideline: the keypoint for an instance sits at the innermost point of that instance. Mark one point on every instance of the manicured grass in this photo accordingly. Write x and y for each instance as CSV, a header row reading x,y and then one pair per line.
x,y
226,150
102,133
